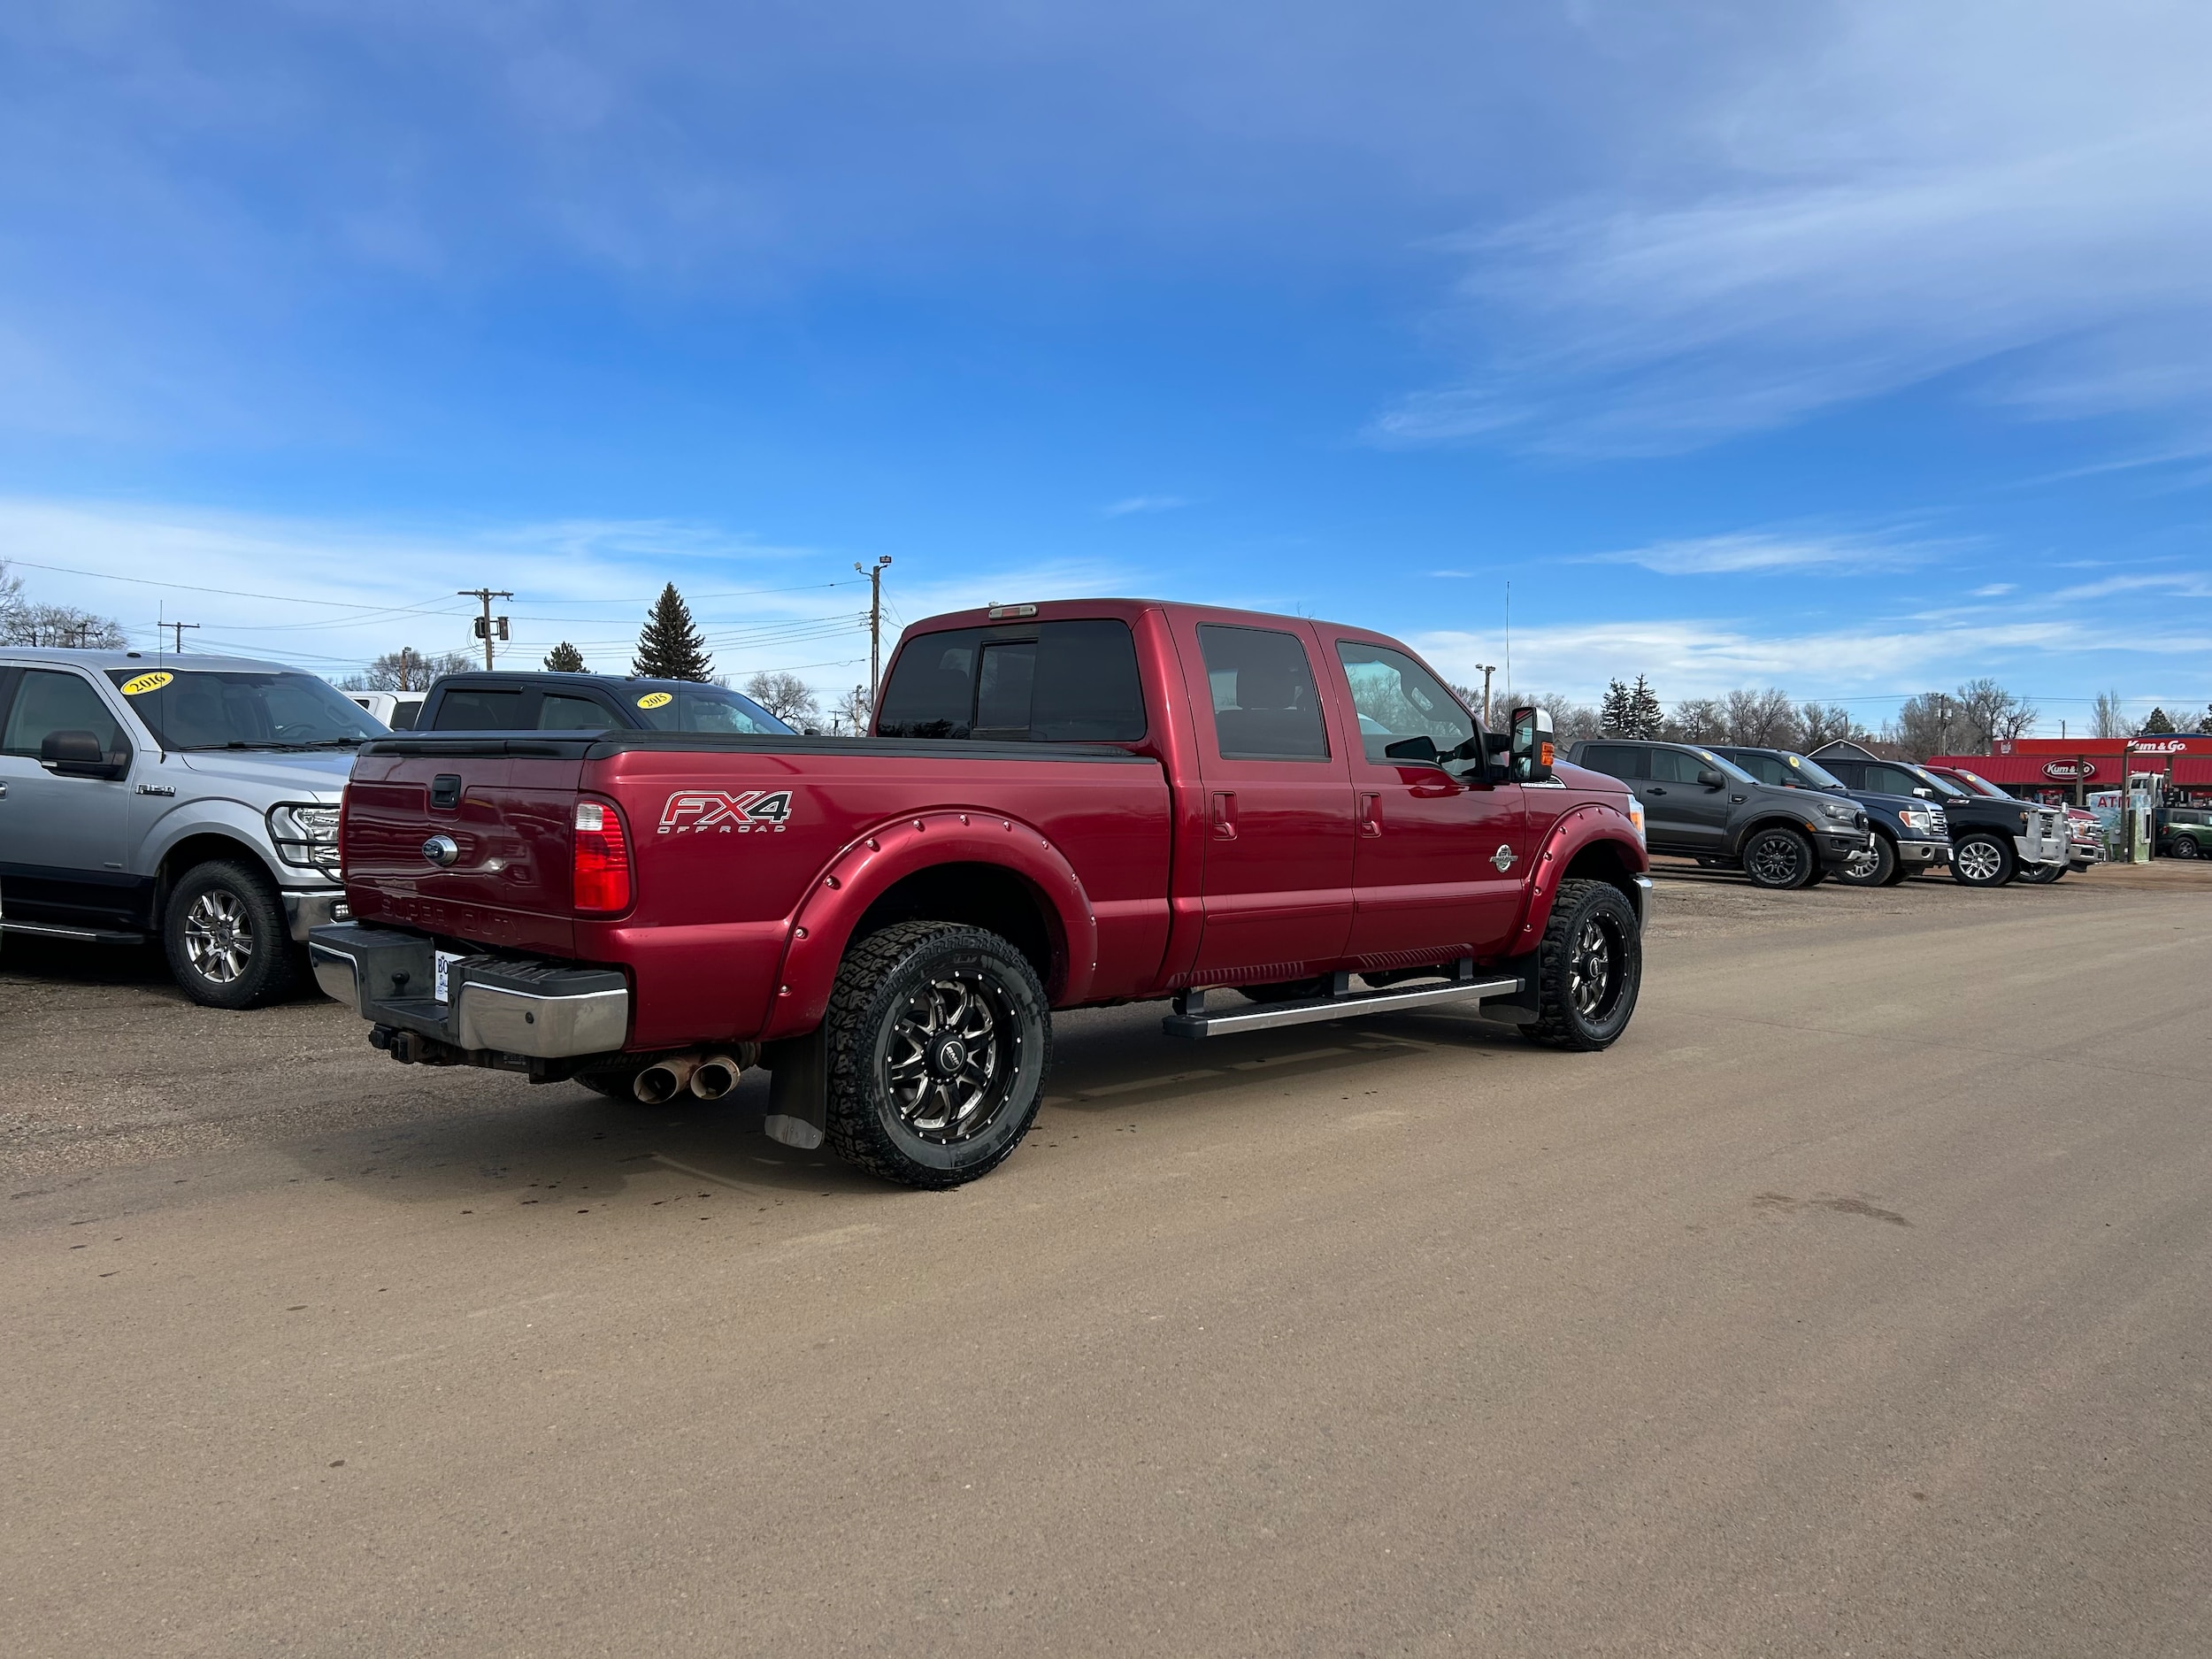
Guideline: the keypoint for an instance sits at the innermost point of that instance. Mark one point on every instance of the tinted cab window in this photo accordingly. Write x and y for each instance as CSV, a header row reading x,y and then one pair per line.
x,y
1395,697
1616,760
1054,682
1265,704
48,703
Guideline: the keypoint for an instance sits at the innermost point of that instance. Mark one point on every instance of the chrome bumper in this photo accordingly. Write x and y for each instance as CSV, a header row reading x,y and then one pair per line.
x,y
309,908
1924,852
546,1010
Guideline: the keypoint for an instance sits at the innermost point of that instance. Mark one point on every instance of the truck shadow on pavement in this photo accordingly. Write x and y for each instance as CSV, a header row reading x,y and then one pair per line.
x,y
560,1147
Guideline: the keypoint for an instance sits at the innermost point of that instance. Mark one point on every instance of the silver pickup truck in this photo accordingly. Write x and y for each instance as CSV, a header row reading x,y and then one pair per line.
x,y
192,798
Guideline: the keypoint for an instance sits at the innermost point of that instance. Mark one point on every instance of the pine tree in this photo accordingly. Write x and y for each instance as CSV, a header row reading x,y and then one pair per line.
x,y
1643,708
564,659
669,647
1617,713
2157,725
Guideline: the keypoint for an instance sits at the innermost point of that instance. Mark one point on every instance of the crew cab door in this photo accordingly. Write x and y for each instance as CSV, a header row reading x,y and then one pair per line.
x,y
62,838
1440,860
1695,815
1277,883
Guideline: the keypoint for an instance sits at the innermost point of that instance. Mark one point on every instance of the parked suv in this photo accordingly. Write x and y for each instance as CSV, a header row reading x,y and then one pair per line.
x,y
2183,831
1699,805
1993,838
194,799
1910,834
545,702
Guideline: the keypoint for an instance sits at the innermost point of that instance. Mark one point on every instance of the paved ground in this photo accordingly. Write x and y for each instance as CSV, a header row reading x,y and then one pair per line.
x,y
1855,1303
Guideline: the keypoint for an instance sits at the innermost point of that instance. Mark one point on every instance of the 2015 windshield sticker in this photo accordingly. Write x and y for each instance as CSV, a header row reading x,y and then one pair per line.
x,y
657,700
714,813
138,685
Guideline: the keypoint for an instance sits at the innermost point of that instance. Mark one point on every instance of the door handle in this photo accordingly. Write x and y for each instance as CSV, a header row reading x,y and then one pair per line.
x,y
1224,815
1371,815
1655,789
4,789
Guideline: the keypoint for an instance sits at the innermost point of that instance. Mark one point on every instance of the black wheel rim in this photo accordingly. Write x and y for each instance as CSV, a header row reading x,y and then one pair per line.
x,y
1775,860
954,1053
1594,968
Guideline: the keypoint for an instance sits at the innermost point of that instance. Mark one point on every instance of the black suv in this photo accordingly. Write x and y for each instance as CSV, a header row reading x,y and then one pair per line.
x,y
550,701
1910,834
1698,805
1993,838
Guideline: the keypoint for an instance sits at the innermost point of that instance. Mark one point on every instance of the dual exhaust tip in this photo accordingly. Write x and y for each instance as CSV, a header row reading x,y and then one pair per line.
x,y
707,1076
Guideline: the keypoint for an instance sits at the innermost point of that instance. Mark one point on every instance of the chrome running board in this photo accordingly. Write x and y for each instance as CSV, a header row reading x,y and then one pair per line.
x,y
1193,1018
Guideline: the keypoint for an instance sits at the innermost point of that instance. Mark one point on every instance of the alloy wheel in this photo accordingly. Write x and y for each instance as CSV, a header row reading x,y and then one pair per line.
x,y
1979,861
218,936
1592,970
1774,860
954,1053
1864,865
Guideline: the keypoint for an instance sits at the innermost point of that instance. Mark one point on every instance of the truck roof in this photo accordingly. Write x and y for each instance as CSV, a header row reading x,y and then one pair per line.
x,y
144,660
1003,613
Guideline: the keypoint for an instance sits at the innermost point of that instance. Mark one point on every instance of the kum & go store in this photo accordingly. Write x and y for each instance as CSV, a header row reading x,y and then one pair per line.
x,y
2067,769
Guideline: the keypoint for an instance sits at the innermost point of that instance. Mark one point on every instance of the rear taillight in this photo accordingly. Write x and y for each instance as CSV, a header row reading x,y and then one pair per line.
x,y
602,859
344,795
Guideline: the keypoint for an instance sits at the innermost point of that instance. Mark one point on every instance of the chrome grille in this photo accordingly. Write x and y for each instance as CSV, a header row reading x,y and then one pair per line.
x,y
1939,823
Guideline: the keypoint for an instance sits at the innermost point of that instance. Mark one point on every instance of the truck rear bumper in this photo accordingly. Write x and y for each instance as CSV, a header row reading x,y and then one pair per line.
x,y
493,1004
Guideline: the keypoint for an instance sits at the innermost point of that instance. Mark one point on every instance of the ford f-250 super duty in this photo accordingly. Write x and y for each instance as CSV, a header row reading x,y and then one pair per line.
x,y
1061,805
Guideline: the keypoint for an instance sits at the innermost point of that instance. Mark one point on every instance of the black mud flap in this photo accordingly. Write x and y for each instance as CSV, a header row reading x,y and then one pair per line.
x,y
1520,1008
798,1089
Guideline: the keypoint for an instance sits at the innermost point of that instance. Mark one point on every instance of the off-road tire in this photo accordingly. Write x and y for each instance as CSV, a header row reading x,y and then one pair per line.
x,y
224,934
1562,1021
1882,872
872,1002
1988,856
1764,871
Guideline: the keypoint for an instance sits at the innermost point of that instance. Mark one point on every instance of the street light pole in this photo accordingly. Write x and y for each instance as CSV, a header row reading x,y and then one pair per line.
x,y
875,624
1488,669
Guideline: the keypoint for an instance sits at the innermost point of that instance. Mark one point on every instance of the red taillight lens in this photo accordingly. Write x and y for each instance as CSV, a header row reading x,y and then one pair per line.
x,y
603,859
344,795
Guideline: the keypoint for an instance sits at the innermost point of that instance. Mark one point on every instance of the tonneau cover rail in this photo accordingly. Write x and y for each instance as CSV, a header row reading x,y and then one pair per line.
x,y
604,745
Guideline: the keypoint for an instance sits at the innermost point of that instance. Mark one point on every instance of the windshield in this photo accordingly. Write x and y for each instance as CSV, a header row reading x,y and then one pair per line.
x,y
680,706
1943,787
1725,767
189,709
1790,772
1981,784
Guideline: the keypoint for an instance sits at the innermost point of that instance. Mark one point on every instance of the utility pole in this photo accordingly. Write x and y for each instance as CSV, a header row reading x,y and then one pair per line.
x,y
488,628
1488,669
178,628
875,624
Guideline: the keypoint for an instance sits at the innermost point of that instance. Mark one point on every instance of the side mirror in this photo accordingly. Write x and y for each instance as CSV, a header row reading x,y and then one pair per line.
x,y
1420,750
1711,778
78,754
1532,751
1925,794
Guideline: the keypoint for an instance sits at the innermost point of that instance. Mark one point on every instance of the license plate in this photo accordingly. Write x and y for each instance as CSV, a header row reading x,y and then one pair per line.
x,y
443,965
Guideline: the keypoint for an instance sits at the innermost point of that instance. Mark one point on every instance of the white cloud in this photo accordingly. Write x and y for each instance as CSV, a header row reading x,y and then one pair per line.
x,y
1129,504
1897,193
328,595
1996,590
1746,552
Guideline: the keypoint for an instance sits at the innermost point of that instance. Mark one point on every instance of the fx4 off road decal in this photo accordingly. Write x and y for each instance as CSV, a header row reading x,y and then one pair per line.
x,y
715,812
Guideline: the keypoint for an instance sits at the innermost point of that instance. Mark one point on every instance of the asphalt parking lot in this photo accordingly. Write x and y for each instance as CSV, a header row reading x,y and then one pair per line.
x,y
1855,1302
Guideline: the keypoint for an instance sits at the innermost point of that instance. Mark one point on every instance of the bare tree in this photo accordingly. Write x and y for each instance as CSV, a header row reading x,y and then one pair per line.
x,y
1819,723
11,593
850,714
1928,723
1992,714
59,625
2109,716
1571,722
1696,720
407,668
1764,720
786,696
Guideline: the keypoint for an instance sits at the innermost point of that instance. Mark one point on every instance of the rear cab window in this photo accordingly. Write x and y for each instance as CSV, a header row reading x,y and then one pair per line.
x,y
1614,760
1265,704
1054,682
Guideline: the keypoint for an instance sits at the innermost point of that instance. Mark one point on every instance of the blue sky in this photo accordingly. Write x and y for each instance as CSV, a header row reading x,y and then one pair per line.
x,y
1856,349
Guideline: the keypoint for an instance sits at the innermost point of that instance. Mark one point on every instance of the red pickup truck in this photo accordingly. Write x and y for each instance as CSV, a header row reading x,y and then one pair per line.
x,y
1062,805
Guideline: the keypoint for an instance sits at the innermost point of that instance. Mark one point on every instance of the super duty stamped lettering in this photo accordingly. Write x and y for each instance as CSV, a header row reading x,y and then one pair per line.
x,y
717,812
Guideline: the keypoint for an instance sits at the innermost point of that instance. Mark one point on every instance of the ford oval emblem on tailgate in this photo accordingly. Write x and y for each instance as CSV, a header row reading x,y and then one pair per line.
x,y
442,851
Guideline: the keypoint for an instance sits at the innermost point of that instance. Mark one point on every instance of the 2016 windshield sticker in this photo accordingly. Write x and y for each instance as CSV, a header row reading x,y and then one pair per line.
x,y
138,685
657,700
714,813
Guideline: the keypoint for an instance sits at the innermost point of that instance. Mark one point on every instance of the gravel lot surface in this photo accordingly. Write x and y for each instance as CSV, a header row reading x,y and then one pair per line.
x,y
1856,1302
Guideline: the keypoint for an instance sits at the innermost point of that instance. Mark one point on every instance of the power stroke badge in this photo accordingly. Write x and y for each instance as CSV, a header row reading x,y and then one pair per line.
x,y
718,812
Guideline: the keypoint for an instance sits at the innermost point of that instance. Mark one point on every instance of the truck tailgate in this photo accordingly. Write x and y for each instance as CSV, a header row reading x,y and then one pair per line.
x,y
507,806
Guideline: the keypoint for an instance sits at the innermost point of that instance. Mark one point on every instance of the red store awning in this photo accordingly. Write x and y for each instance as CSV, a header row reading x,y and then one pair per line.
x,y
2047,771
